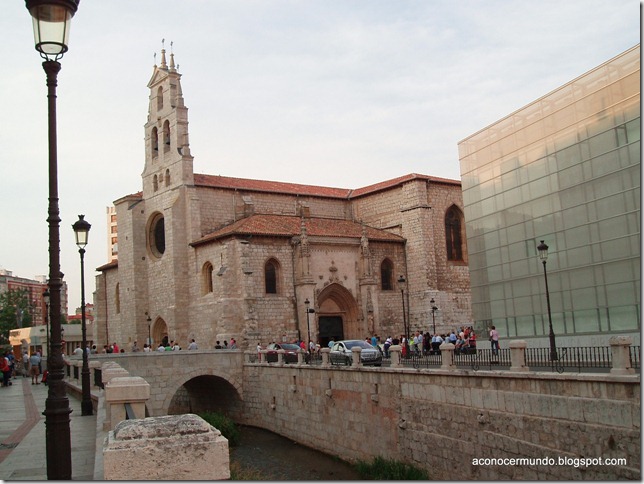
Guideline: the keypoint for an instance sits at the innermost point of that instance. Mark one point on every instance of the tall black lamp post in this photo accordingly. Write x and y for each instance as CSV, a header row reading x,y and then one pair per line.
x,y
81,229
51,21
149,320
543,255
45,298
308,328
434,309
402,282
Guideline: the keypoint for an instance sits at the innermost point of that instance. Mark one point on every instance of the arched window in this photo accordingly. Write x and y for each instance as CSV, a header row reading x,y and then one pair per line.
x,y
386,275
159,99
154,139
453,233
271,272
167,178
117,298
166,135
155,183
206,273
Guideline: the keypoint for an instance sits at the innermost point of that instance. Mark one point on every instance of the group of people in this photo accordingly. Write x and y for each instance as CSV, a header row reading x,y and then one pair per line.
x,y
31,366
419,344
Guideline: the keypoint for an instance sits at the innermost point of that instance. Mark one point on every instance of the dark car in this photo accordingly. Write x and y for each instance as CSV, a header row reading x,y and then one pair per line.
x,y
341,353
290,356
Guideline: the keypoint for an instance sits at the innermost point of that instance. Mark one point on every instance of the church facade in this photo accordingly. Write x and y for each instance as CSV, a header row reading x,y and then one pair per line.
x,y
215,258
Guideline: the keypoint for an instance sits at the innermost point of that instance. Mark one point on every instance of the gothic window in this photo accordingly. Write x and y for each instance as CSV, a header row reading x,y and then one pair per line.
x,y
271,272
386,275
159,99
207,278
117,298
166,135
453,233
154,138
156,235
155,183
167,178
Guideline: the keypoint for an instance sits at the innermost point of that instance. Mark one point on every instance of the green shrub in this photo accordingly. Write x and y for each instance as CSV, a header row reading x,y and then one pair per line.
x,y
387,470
225,425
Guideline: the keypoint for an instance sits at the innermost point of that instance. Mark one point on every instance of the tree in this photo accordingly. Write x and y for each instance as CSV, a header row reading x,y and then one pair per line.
x,y
15,312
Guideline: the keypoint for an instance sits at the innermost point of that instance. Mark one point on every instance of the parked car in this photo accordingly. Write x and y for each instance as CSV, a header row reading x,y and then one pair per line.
x,y
341,353
290,355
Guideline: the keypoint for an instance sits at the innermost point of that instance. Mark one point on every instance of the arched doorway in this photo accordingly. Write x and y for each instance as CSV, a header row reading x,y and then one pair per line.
x,y
337,315
159,333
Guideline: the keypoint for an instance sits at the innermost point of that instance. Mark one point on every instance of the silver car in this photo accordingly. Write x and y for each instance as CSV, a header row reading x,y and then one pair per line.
x,y
341,353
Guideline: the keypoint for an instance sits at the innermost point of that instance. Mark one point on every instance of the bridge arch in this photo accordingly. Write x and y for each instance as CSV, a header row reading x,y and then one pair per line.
x,y
200,391
338,314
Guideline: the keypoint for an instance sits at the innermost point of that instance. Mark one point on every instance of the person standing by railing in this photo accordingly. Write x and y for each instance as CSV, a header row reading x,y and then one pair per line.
x,y
494,340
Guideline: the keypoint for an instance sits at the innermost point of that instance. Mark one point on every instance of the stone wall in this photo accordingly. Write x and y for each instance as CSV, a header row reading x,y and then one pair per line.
x,y
443,420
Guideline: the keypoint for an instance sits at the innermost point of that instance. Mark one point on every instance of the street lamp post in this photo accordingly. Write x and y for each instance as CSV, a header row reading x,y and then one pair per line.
x,y
434,309
308,328
45,298
401,284
81,229
149,320
51,20
543,255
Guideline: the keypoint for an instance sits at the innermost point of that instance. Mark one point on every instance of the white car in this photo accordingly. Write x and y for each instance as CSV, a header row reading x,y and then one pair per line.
x,y
341,353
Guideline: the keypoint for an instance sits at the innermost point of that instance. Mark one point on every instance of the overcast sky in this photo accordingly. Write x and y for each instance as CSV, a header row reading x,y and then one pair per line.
x,y
340,93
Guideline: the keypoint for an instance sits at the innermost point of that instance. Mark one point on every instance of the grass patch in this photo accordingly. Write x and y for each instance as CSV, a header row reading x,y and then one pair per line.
x,y
387,470
225,425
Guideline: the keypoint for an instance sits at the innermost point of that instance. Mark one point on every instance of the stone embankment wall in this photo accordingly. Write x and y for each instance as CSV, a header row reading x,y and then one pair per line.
x,y
444,420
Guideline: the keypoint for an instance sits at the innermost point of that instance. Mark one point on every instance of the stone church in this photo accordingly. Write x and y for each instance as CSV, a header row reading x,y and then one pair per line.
x,y
213,257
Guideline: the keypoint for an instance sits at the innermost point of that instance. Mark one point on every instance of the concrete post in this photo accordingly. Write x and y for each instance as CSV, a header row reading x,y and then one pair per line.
x,y
121,390
355,356
325,356
620,349
280,357
517,355
395,352
447,356
174,447
300,357
262,356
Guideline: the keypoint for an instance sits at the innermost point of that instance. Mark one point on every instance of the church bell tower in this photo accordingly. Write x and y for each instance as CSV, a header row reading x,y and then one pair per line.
x,y
168,162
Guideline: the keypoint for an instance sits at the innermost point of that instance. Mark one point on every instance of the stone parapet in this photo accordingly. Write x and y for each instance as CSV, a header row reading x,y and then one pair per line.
x,y
176,447
132,390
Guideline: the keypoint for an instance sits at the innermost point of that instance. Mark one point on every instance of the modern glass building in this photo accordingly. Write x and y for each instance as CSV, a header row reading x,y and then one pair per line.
x,y
566,170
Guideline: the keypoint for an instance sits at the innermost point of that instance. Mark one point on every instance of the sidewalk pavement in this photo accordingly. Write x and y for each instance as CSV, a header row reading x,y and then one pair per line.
x,y
23,454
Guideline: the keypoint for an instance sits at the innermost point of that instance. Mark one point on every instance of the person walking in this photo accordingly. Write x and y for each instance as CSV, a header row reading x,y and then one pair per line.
x,y
34,368
494,340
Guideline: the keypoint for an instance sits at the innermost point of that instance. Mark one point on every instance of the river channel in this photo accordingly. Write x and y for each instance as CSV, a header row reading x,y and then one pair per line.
x,y
271,457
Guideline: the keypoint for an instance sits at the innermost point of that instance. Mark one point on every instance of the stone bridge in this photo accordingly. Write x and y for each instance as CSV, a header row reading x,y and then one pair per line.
x,y
447,420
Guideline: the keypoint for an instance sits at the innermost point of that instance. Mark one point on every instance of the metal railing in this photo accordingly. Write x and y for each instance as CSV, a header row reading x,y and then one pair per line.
x,y
634,353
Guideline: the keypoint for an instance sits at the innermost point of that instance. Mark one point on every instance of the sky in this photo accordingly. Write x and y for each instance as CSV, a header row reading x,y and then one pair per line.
x,y
336,93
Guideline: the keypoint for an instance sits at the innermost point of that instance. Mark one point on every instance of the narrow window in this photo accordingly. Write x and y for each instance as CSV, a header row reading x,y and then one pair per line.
x,y
154,139
167,178
117,298
166,135
159,99
386,273
453,237
155,183
270,276
207,278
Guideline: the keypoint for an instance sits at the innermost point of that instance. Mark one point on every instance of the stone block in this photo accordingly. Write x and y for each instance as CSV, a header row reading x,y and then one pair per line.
x,y
175,447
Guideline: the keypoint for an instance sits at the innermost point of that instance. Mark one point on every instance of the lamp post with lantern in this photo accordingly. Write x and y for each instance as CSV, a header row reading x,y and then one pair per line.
x,y
81,229
402,283
51,22
543,255
434,309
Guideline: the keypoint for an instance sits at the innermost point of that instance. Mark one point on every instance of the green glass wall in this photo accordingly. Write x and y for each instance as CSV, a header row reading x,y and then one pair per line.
x,y
564,169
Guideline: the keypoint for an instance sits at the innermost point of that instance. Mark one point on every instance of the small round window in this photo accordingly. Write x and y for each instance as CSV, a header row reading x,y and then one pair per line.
x,y
157,235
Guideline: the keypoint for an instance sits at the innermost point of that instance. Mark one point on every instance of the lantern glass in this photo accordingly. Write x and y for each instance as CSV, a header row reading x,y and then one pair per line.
x,y
51,29
81,229
543,251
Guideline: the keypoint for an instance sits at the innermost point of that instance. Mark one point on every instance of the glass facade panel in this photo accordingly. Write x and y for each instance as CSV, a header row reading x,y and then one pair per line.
x,y
574,182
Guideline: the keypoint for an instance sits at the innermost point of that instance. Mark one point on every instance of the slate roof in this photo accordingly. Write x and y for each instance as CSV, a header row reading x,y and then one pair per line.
x,y
290,225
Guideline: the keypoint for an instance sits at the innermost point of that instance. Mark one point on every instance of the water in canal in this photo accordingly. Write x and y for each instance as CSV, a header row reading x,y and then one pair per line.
x,y
276,458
